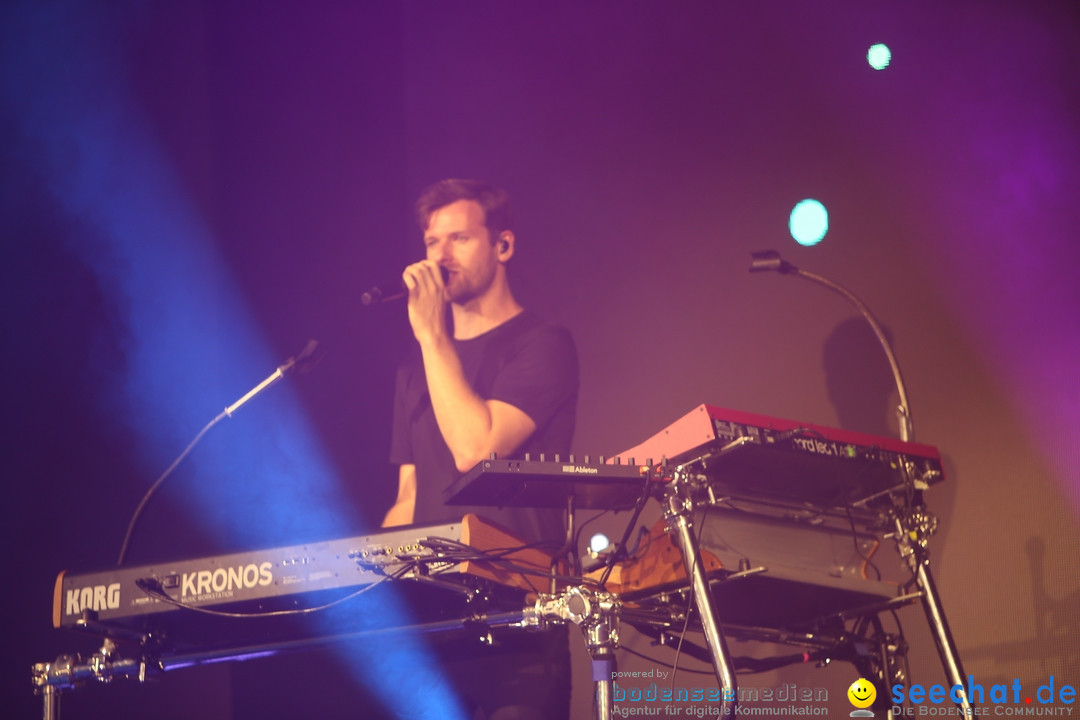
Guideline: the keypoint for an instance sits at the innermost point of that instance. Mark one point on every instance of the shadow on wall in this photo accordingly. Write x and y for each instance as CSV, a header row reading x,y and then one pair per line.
x,y
858,378
1057,623
863,393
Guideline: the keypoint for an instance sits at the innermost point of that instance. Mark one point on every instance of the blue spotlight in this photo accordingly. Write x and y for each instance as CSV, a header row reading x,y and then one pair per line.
x,y
809,222
192,346
879,56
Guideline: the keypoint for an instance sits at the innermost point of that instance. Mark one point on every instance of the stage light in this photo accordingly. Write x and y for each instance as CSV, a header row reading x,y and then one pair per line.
x,y
879,56
809,222
598,543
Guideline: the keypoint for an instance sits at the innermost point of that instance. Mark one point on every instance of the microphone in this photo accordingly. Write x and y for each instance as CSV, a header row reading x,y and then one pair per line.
x,y
385,293
394,290
301,362
770,260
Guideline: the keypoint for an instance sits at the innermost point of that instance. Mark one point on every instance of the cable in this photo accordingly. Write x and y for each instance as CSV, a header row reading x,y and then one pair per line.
x,y
620,549
157,484
867,562
903,645
658,661
689,600
453,552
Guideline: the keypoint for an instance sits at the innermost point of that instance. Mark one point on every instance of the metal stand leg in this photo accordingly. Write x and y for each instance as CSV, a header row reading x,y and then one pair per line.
x,y
600,640
50,698
913,533
935,615
677,512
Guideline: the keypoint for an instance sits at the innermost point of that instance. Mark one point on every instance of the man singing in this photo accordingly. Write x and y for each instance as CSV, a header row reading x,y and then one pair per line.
x,y
500,380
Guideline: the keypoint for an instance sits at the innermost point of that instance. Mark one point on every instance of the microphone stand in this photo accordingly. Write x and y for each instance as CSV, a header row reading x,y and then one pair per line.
x,y
304,360
914,525
771,260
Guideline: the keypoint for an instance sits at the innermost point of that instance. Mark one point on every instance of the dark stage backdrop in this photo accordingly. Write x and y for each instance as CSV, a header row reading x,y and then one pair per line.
x,y
264,156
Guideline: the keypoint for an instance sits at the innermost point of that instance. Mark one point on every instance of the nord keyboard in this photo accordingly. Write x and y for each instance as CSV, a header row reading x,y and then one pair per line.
x,y
188,603
763,457
549,484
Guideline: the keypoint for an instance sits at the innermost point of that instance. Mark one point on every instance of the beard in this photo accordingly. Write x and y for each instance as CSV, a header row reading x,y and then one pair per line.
x,y
462,287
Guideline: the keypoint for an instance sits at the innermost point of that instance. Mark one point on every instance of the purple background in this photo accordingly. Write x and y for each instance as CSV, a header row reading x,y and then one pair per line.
x,y
263,158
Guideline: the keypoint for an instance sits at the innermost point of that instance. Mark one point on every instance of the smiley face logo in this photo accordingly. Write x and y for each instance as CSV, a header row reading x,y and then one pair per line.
x,y
862,693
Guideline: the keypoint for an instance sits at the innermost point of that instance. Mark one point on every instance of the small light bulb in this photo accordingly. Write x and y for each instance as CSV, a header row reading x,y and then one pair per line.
x,y
599,542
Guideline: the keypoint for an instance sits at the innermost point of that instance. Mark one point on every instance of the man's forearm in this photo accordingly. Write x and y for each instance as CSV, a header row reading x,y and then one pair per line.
x,y
400,513
464,418
403,510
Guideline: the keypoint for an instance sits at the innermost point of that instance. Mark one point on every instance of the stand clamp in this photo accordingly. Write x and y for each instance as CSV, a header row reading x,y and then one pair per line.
x,y
68,672
597,614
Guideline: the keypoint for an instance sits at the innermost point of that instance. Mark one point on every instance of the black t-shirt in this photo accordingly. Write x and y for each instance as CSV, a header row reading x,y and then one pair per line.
x,y
525,362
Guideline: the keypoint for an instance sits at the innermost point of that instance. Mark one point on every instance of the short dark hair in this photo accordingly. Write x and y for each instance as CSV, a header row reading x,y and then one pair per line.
x,y
494,202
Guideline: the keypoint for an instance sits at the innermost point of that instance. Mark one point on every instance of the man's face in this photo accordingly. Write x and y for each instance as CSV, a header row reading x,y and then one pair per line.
x,y
458,241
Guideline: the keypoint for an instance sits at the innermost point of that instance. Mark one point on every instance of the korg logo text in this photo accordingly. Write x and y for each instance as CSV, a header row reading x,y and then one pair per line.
x,y
96,598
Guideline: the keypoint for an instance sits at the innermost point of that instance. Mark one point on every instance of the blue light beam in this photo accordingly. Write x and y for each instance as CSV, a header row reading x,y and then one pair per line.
x,y
192,346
